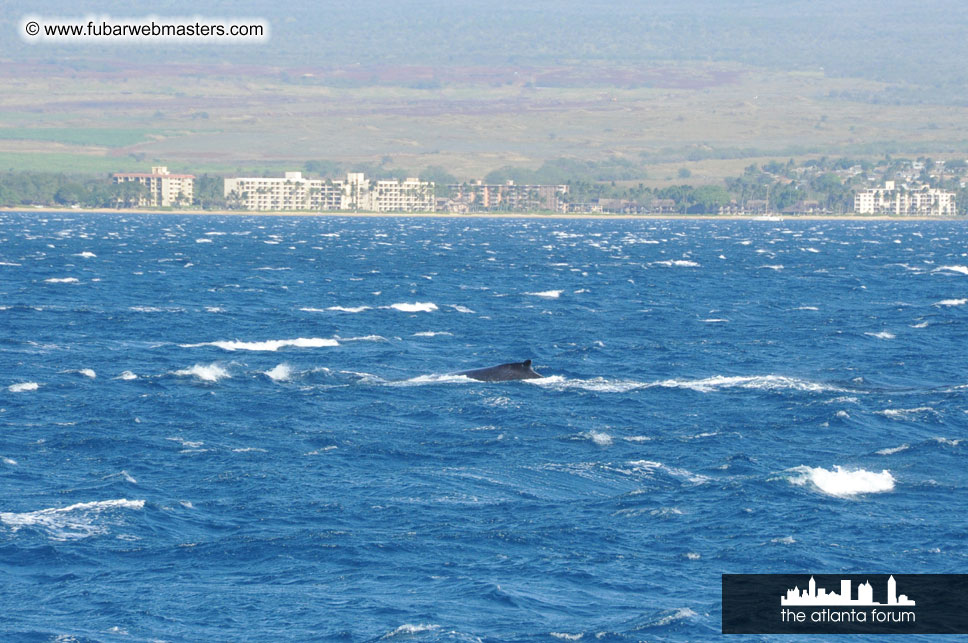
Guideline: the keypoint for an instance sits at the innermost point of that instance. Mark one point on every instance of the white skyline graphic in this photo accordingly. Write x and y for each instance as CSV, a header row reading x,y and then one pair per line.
x,y
811,595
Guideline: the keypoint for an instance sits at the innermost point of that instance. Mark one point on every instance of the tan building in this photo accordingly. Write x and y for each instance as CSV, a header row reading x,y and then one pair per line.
x,y
164,188
917,201
511,197
356,192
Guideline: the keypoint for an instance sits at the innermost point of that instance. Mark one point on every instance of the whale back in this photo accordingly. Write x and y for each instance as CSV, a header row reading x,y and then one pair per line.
x,y
503,372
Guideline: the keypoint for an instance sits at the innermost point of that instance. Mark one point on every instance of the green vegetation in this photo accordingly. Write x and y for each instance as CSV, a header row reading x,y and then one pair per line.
x,y
816,185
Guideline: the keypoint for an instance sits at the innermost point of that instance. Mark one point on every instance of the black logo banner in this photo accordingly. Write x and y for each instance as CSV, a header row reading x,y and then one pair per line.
x,y
845,604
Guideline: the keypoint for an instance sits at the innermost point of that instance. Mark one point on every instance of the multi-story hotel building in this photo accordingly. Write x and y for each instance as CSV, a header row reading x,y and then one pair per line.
x,y
356,192
920,201
510,196
164,188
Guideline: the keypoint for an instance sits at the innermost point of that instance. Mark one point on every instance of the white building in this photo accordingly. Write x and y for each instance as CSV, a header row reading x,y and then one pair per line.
x,y
356,192
920,201
164,188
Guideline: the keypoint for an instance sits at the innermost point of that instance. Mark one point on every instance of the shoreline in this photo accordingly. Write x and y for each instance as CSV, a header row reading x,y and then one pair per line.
x,y
489,215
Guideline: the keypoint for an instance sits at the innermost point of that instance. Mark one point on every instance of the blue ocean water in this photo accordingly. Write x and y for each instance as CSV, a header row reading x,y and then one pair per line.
x,y
221,428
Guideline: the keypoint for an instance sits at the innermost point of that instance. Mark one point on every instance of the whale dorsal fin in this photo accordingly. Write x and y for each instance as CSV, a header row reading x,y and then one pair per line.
x,y
526,363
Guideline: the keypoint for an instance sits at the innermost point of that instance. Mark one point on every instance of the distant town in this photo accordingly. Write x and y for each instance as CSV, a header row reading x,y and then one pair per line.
x,y
889,187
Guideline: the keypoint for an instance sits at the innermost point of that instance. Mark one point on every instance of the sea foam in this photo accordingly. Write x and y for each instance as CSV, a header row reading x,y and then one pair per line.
x,y
840,482
205,372
268,345
69,523
23,387
416,307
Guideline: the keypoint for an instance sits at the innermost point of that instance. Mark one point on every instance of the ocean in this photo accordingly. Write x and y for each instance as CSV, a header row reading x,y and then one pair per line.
x,y
235,428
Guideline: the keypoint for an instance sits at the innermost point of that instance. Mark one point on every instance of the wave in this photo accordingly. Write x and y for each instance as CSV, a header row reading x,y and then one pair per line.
x,y
364,338
650,467
881,335
416,307
462,309
893,450
63,280
268,345
205,372
432,333
23,387
86,255
87,372
959,269
951,302
548,294
69,523
705,385
676,263
600,438
341,309
203,240
127,375
903,414
408,629
840,482
279,373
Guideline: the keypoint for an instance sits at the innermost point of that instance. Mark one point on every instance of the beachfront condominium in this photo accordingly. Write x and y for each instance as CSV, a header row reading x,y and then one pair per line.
x,y
296,192
163,189
920,200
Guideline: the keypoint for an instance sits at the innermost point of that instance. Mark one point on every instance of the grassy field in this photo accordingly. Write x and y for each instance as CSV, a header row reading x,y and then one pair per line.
x,y
230,119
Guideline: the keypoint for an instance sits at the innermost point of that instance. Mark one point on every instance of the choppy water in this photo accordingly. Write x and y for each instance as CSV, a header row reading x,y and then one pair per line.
x,y
234,428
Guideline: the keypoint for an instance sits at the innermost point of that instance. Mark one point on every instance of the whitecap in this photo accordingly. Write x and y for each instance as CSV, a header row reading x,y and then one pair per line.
x,y
461,309
69,523
268,345
279,373
205,372
840,482
548,294
951,302
86,255
692,555
249,450
416,307
87,372
64,280
564,636
881,335
776,267
947,441
23,387
679,615
600,438
755,382
408,629
893,450
342,309
959,269
903,414
784,540
127,375
203,240
432,333
677,263
9,461
714,321
806,308
364,338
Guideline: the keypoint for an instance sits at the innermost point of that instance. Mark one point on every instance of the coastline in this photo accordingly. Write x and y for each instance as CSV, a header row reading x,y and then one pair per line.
x,y
486,215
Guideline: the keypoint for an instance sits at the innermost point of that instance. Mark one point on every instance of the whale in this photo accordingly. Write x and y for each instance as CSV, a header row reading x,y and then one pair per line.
x,y
503,372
